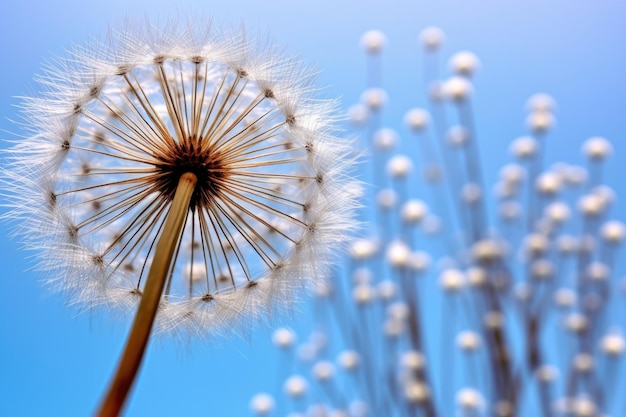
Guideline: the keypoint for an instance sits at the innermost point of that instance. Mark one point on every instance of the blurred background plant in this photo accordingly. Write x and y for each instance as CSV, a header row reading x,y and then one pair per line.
x,y
469,299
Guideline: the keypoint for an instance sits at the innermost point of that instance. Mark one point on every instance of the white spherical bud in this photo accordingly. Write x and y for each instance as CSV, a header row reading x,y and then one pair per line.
x,y
457,89
399,166
431,38
413,360
418,262
363,294
524,147
469,399
323,371
457,136
591,205
540,121
548,183
493,319
451,280
605,194
296,386
283,338
541,102
364,249
576,322
464,63
564,298
471,193
386,199
414,211
416,392
358,115
374,98
373,42
348,360
597,271
597,149
398,311
398,254
613,344
385,139
542,270
546,374
262,404
468,340
613,232
557,212
417,120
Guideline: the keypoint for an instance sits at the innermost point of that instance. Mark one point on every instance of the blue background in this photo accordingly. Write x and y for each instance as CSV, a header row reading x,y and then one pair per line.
x,y
53,363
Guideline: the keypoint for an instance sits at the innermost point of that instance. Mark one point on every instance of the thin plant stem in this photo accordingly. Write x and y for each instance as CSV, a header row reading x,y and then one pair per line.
x,y
132,356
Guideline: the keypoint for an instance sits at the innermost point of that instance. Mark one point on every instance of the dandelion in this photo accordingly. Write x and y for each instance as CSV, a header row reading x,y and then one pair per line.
x,y
180,171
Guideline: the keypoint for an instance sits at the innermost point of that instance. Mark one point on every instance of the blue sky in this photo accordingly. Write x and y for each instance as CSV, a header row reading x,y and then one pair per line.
x,y
54,362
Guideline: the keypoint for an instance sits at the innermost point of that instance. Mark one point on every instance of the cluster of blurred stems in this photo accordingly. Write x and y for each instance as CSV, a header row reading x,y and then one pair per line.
x,y
464,298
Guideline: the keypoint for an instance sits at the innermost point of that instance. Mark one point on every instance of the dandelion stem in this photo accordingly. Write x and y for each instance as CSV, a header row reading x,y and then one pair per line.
x,y
142,326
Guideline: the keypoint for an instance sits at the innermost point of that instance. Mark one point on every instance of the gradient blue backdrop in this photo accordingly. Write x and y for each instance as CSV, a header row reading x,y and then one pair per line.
x,y
55,364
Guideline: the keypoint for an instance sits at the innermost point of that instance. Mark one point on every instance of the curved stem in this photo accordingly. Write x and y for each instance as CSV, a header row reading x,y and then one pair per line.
x,y
130,361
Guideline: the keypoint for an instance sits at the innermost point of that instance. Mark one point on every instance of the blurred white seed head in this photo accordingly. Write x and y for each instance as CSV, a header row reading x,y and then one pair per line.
x,y
468,341
470,399
557,212
583,362
510,211
358,408
283,338
363,294
457,136
540,121
416,392
364,249
503,408
362,276
457,89
522,291
575,176
374,98
413,360
524,148
296,386
431,38
476,276
487,251
613,232
591,205
385,139
358,115
373,42
451,280
387,290
323,371
584,406
387,198
493,319
597,149
464,63
535,244
566,244
398,254
564,297
394,328
513,173
417,120
419,262
548,183
349,360
399,166
414,211
576,322
471,193
262,404
547,373
597,271
398,311
541,102
542,269
613,343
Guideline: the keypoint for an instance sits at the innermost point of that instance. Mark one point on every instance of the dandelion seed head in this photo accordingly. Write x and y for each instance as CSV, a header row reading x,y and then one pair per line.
x,y
387,199
417,120
431,38
386,290
451,280
374,98
613,232
283,338
399,167
540,122
414,211
464,63
468,340
373,42
296,386
349,360
416,392
118,124
358,115
541,102
613,344
597,149
524,147
547,374
457,89
564,297
470,399
398,254
576,322
262,404
385,139
584,406
457,136
419,262
323,371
